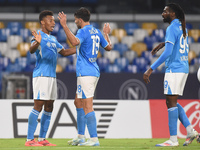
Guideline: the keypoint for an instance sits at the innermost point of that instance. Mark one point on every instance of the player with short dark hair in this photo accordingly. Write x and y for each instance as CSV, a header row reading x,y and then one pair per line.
x,y
175,56
46,49
87,42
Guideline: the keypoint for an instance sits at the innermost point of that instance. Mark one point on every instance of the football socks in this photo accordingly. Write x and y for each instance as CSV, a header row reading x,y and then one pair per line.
x,y
172,118
32,123
91,124
182,116
80,121
45,121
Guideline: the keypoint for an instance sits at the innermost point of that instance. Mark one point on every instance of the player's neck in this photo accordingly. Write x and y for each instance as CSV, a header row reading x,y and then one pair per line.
x,y
45,31
85,24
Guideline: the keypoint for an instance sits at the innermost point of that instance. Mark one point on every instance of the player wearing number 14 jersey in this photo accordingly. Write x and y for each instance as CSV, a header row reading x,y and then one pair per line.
x,y
87,42
175,56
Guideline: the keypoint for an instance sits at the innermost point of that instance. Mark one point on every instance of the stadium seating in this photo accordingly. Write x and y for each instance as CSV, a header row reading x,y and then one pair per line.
x,y
149,26
131,69
32,25
72,27
189,26
23,48
147,55
130,27
121,63
191,55
130,55
4,61
3,48
119,33
13,54
61,36
140,34
14,27
103,63
195,47
63,61
13,40
22,62
2,25
114,40
139,48
195,33
128,40
112,68
160,34
191,40
70,68
95,24
25,34
141,63
112,55
149,41
120,47
4,33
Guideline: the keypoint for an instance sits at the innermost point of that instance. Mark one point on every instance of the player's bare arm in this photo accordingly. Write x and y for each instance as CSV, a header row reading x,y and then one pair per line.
x,y
106,32
67,52
63,21
36,43
157,48
146,75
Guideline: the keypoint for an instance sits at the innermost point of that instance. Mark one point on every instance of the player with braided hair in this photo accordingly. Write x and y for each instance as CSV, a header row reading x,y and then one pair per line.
x,y
175,56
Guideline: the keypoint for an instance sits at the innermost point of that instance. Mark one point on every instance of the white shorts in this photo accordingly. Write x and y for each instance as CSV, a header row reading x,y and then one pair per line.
x,y
174,83
198,74
86,86
44,88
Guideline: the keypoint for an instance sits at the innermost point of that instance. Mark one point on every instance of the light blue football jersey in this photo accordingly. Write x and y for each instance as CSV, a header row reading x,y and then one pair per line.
x,y
46,56
178,60
87,51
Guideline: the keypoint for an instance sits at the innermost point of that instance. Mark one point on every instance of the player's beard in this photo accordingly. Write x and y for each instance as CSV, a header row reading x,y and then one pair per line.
x,y
167,19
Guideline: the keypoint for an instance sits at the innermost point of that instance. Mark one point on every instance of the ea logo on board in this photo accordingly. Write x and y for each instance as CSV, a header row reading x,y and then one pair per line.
x,y
62,90
133,89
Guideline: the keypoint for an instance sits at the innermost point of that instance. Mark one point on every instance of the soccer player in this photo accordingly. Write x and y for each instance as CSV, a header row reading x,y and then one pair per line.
x,y
87,42
46,49
175,56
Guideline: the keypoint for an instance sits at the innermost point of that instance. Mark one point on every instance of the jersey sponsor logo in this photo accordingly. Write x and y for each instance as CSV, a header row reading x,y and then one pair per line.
x,y
133,89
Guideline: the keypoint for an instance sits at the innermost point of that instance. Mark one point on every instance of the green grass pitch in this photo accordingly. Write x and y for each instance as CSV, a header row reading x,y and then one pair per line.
x,y
105,144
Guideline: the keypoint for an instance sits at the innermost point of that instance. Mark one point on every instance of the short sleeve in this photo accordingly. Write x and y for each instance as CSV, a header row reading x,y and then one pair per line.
x,y
170,35
59,47
80,35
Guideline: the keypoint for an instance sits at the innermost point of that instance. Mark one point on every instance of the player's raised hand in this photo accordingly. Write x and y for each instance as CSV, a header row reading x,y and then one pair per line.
x,y
63,18
106,28
37,37
157,48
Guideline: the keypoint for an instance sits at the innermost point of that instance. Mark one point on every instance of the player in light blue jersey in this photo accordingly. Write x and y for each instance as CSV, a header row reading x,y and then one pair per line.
x,y
46,49
87,42
175,56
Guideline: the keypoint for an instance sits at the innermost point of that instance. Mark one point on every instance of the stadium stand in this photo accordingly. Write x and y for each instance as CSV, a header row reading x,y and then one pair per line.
x,y
149,26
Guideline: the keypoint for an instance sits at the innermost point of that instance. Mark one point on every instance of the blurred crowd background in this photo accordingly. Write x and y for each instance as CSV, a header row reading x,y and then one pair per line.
x,y
136,25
